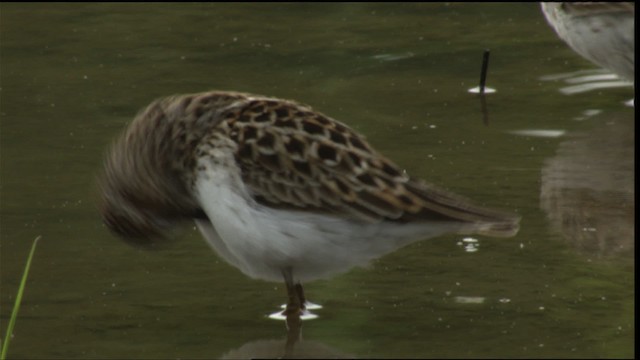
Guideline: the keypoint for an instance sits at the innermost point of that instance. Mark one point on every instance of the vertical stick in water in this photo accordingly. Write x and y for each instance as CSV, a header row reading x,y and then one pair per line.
x,y
483,72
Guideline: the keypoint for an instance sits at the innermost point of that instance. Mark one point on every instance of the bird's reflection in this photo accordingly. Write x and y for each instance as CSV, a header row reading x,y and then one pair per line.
x,y
291,347
587,188
484,110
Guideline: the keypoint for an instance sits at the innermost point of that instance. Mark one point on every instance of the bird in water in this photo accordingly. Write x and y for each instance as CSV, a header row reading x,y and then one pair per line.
x,y
601,32
279,190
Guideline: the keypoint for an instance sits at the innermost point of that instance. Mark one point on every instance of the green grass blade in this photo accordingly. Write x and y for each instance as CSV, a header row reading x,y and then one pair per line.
x,y
16,305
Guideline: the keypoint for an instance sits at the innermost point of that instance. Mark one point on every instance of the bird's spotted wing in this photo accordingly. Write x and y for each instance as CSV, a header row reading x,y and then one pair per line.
x,y
293,156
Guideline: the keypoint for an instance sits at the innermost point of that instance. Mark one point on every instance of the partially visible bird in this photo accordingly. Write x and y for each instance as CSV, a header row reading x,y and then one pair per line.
x,y
279,190
601,32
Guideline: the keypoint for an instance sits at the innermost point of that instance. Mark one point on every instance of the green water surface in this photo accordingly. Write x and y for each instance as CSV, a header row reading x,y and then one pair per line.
x,y
73,75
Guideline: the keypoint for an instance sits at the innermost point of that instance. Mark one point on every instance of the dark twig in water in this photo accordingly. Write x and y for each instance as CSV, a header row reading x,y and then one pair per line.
x,y
481,89
483,72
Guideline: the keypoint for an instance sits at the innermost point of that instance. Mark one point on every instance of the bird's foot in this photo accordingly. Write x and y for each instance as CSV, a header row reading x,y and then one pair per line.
x,y
303,313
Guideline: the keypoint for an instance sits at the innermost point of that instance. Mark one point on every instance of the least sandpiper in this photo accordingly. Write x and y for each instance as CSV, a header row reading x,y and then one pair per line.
x,y
602,32
279,190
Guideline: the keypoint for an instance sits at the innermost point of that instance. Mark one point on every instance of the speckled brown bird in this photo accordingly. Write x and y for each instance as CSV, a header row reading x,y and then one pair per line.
x,y
279,190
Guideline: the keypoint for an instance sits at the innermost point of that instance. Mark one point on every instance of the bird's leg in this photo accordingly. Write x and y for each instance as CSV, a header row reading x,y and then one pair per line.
x,y
293,310
306,305
300,295
295,304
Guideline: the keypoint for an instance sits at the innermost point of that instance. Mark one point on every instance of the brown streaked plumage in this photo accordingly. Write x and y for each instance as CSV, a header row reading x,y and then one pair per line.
x,y
276,187
146,184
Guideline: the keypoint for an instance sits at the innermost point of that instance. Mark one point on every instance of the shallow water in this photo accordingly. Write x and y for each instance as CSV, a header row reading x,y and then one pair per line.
x,y
73,75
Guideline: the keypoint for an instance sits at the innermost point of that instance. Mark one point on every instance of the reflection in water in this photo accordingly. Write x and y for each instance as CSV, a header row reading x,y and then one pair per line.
x,y
587,80
545,133
305,314
470,244
393,57
275,349
293,347
591,84
484,110
587,189
582,81
470,299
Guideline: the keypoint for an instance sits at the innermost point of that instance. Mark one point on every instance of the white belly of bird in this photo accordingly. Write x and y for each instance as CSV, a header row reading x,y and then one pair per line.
x,y
262,241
